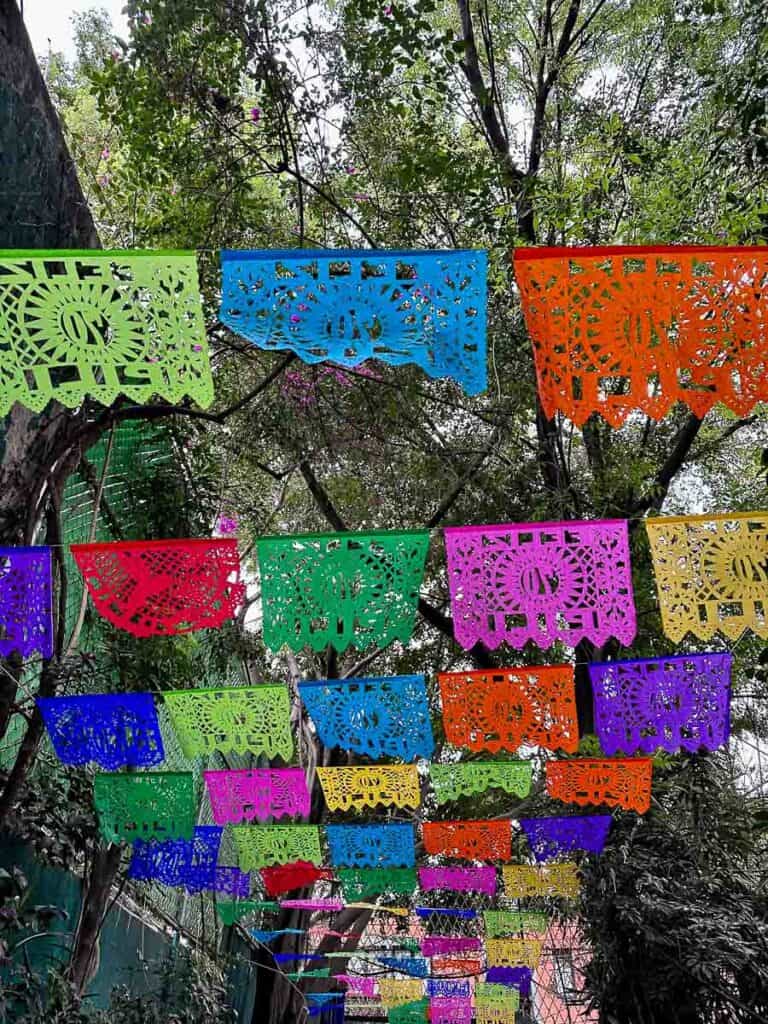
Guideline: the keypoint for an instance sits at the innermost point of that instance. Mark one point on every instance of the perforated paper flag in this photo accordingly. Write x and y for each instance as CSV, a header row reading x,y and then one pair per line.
x,y
101,324
426,308
162,587
342,589
540,582
622,328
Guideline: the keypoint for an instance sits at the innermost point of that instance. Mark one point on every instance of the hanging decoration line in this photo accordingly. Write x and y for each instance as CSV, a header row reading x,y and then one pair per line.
x,y
540,582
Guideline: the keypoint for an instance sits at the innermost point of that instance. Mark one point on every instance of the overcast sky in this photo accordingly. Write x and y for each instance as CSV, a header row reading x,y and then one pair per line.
x,y
52,20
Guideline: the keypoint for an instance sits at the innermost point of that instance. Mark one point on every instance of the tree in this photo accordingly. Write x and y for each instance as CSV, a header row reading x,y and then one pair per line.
x,y
439,124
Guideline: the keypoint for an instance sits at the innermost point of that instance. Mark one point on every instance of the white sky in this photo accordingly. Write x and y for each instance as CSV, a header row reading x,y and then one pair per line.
x,y
52,20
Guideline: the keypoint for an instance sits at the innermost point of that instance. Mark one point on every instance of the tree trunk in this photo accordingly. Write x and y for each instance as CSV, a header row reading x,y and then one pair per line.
x,y
84,959
41,206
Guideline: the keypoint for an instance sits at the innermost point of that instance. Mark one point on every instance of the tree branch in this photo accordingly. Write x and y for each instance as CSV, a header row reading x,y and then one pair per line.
x,y
455,492
655,497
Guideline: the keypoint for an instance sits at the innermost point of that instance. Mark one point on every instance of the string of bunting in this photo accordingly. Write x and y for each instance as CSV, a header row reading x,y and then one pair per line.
x,y
546,583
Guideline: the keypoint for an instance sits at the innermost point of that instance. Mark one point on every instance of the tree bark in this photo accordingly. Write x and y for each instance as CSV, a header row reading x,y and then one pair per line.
x,y
41,207
84,958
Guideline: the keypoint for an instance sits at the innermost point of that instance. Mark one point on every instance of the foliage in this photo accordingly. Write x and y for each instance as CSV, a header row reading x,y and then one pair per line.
x,y
357,123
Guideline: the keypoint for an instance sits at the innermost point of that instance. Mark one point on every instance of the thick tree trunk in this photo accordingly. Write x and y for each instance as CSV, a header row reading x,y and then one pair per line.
x,y
41,206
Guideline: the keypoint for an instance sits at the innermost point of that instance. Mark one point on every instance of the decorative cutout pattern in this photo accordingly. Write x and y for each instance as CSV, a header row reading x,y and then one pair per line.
x,y
230,911
513,952
414,966
398,991
456,967
287,877
506,709
524,881
439,945
116,730
259,846
231,881
450,1011
409,1013
236,720
623,328
101,324
385,716
362,883
465,913
371,846
514,922
553,837
469,840
474,879
150,805
623,782
514,977
674,703
711,574
257,793
395,785
162,587
26,624
425,308
453,781
314,906
541,582
343,589
187,862
491,993
442,988
359,985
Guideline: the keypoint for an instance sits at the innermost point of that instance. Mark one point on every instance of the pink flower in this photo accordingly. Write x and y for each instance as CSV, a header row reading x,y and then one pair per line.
x,y
303,307
103,180
226,525
361,197
351,169
197,348
255,115
295,318
105,154
116,55
146,19
388,13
